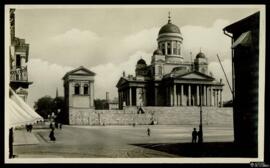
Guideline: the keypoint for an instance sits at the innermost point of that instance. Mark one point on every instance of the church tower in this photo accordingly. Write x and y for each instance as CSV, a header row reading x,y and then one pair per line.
x,y
201,63
170,41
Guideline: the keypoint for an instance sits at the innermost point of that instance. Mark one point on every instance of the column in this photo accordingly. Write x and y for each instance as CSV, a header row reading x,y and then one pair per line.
x,y
81,88
171,47
144,97
221,103
198,95
171,95
217,98
166,48
156,96
174,95
119,100
211,95
189,95
92,94
178,96
214,96
181,95
130,96
204,95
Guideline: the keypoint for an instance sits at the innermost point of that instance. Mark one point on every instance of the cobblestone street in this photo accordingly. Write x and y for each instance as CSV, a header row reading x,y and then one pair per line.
x,y
112,141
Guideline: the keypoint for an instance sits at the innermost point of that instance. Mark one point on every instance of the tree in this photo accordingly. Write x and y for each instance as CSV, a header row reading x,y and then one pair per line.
x,y
44,106
101,104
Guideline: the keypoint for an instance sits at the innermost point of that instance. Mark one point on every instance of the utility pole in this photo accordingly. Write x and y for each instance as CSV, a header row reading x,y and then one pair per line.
x,y
200,134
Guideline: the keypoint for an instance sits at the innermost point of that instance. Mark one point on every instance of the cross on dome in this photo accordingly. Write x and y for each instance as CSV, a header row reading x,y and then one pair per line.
x,y
169,17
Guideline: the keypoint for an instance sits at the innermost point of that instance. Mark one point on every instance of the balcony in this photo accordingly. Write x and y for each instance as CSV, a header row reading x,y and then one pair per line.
x,y
19,74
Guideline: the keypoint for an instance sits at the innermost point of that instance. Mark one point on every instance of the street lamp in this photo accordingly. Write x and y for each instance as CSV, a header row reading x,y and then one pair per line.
x,y
200,134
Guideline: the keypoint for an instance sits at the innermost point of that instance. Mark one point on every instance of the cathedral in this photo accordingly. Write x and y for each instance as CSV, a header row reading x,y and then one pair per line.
x,y
170,80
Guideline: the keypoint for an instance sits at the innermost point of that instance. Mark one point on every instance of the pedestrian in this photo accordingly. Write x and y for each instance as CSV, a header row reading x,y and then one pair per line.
x,y
148,131
60,126
30,127
51,126
52,137
194,135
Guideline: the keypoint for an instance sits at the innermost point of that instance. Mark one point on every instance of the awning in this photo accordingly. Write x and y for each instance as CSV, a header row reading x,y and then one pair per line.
x,y
244,40
19,112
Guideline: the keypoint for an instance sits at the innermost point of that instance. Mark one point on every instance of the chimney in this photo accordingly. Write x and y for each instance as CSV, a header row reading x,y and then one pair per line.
x,y
124,74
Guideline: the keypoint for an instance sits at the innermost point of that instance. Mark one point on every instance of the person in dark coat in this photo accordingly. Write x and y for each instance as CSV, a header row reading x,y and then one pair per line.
x,y
194,136
148,131
52,137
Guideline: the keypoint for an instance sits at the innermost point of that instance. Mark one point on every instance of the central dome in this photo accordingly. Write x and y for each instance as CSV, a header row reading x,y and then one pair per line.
x,y
169,28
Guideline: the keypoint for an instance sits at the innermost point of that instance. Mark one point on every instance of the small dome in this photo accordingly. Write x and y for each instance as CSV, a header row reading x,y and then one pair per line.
x,y
200,55
141,61
169,28
158,52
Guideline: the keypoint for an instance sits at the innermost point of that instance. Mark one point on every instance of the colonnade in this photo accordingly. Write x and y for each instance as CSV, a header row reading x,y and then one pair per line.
x,y
126,96
190,94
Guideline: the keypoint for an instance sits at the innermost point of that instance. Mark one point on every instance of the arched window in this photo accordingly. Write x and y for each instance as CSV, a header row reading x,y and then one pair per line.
x,y
85,89
77,89
163,48
169,48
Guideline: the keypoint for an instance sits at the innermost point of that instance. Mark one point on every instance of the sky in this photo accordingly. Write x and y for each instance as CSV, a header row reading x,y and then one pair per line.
x,y
110,39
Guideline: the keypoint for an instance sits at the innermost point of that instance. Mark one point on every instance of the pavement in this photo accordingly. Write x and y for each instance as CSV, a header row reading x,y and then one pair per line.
x,y
110,141
22,137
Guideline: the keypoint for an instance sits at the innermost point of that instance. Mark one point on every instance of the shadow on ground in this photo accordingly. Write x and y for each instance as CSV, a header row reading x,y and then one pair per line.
x,y
209,149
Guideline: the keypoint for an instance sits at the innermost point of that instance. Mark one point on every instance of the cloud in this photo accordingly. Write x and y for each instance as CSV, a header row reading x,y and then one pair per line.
x,y
46,77
217,72
211,40
108,57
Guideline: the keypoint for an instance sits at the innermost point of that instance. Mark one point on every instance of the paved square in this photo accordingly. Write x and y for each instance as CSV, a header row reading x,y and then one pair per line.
x,y
113,141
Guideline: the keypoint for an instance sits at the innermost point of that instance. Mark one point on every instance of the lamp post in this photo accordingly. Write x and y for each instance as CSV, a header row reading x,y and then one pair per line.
x,y
200,134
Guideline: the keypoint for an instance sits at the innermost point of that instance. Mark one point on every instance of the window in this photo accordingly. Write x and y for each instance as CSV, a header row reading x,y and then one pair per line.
x,y
169,48
163,48
85,89
18,61
77,89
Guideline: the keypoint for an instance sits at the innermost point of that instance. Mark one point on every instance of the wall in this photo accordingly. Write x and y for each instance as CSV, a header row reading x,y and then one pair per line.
x,y
162,115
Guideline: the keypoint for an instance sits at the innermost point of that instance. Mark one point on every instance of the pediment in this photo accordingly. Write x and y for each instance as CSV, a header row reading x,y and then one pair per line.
x,y
80,71
194,76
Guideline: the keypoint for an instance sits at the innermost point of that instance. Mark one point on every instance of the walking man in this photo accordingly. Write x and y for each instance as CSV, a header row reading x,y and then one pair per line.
x,y
148,131
194,135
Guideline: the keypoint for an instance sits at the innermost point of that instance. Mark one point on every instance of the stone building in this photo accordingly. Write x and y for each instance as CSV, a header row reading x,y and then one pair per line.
x,y
19,53
169,80
78,91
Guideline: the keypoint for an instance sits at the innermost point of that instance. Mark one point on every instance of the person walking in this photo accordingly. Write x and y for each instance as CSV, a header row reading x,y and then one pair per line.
x,y
148,131
194,135
52,137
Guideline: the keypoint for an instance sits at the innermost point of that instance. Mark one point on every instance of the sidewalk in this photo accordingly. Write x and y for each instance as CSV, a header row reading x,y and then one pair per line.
x,y
22,137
